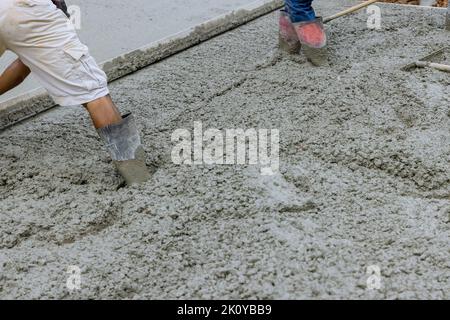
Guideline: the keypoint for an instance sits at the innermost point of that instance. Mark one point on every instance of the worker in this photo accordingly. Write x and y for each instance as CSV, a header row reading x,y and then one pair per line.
x,y
39,33
300,27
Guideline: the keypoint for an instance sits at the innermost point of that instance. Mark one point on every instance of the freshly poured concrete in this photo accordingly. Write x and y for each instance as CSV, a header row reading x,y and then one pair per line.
x,y
364,179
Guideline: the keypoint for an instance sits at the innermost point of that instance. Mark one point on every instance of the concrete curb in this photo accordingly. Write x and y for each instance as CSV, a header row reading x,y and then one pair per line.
x,y
32,103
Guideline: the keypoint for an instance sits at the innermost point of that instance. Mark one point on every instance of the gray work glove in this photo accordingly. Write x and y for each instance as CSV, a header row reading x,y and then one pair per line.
x,y
61,4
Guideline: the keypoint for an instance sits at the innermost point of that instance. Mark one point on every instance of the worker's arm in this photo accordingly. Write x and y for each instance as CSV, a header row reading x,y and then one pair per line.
x,y
14,75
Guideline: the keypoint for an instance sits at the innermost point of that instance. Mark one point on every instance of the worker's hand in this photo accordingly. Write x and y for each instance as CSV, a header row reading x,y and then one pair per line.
x,y
14,75
61,4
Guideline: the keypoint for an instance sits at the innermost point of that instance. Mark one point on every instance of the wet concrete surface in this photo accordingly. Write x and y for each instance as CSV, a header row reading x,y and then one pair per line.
x,y
363,183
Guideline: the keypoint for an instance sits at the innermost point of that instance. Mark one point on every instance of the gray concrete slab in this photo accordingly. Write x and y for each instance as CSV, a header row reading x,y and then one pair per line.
x,y
363,183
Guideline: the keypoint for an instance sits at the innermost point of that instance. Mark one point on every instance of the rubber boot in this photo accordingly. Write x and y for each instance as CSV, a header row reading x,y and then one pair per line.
x,y
313,39
124,144
288,39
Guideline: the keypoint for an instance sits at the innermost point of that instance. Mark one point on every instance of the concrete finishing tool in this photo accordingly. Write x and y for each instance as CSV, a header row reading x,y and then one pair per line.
x,y
428,62
349,11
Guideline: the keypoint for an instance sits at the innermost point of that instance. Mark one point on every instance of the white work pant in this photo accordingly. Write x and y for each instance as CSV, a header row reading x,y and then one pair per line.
x,y
46,41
